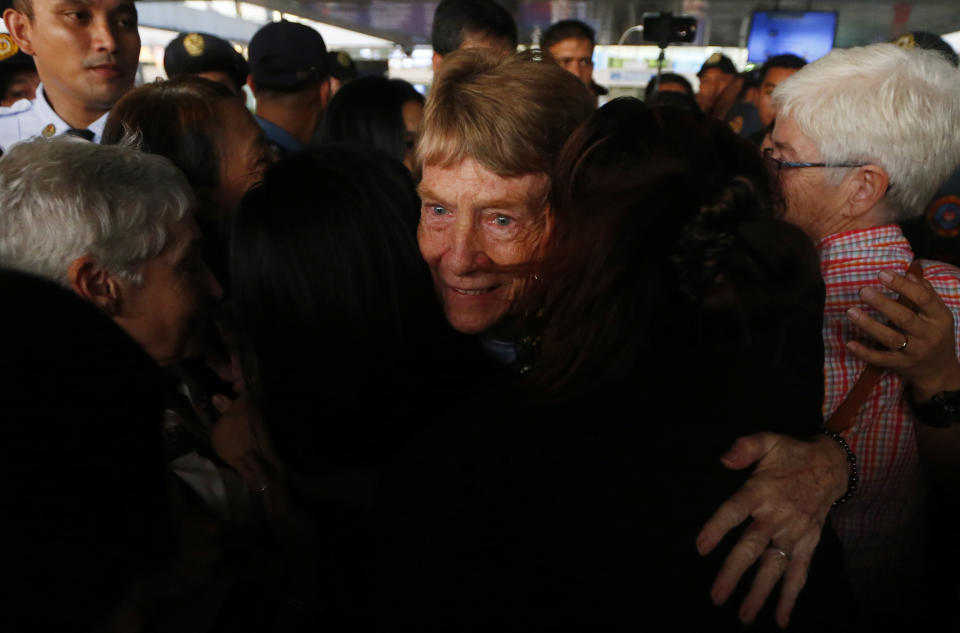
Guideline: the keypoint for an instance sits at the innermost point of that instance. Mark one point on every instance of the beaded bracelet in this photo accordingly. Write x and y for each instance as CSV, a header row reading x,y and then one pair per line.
x,y
854,479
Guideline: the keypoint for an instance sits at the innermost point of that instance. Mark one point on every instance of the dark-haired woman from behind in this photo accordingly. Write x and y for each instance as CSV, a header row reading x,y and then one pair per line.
x,y
375,112
672,312
345,350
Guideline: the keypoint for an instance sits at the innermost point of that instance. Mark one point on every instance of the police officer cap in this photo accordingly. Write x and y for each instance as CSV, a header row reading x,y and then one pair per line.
x,y
192,53
341,65
718,60
285,55
11,57
930,41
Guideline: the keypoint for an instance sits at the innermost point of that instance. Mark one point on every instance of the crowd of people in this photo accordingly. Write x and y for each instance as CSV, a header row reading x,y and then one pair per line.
x,y
493,359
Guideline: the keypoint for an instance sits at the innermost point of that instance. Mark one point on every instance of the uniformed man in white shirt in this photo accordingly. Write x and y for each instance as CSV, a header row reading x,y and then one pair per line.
x,y
86,52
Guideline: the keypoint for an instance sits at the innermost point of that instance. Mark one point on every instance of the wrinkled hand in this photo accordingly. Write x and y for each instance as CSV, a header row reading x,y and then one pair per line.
x,y
788,496
929,362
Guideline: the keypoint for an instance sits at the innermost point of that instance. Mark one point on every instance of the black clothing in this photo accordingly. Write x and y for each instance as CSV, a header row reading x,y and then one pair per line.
x,y
582,515
936,233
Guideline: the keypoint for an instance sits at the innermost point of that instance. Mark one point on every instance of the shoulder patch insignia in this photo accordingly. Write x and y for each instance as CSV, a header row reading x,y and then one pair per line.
x,y
8,48
736,124
49,130
943,216
193,43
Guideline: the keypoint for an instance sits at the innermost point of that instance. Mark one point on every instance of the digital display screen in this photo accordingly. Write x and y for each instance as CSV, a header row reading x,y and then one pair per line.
x,y
809,34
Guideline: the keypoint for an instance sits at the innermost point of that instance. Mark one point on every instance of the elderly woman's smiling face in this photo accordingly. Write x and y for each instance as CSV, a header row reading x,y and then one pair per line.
x,y
473,223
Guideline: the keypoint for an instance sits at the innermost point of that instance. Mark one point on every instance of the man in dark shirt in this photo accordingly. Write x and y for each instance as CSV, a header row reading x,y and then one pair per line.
x,y
290,78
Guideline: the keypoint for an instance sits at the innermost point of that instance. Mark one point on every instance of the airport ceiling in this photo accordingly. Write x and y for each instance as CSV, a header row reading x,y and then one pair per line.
x,y
726,21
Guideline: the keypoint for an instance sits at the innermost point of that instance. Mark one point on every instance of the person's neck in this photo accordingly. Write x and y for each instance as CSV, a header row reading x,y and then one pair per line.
x,y
75,114
507,330
877,216
299,122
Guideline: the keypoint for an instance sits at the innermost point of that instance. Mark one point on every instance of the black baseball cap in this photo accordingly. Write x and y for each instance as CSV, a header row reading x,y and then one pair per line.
x,y
285,55
191,53
718,60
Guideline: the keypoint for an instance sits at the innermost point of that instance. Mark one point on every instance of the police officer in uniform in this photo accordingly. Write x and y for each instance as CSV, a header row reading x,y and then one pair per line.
x,y
936,234
86,59
716,74
742,117
290,78
206,56
342,69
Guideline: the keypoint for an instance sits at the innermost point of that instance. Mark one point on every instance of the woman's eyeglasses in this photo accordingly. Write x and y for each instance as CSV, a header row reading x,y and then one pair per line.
x,y
780,164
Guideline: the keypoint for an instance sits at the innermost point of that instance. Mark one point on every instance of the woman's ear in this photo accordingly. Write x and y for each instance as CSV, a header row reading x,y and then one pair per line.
x,y
95,284
870,185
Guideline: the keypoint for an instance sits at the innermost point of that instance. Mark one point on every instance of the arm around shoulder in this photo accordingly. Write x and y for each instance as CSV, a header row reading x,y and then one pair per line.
x,y
921,345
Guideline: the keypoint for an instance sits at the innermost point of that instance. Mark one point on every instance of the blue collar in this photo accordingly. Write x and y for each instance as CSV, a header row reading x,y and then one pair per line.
x,y
504,352
278,135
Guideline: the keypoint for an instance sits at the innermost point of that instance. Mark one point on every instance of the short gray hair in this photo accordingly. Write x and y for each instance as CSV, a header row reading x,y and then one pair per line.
x,y
65,198
897,108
